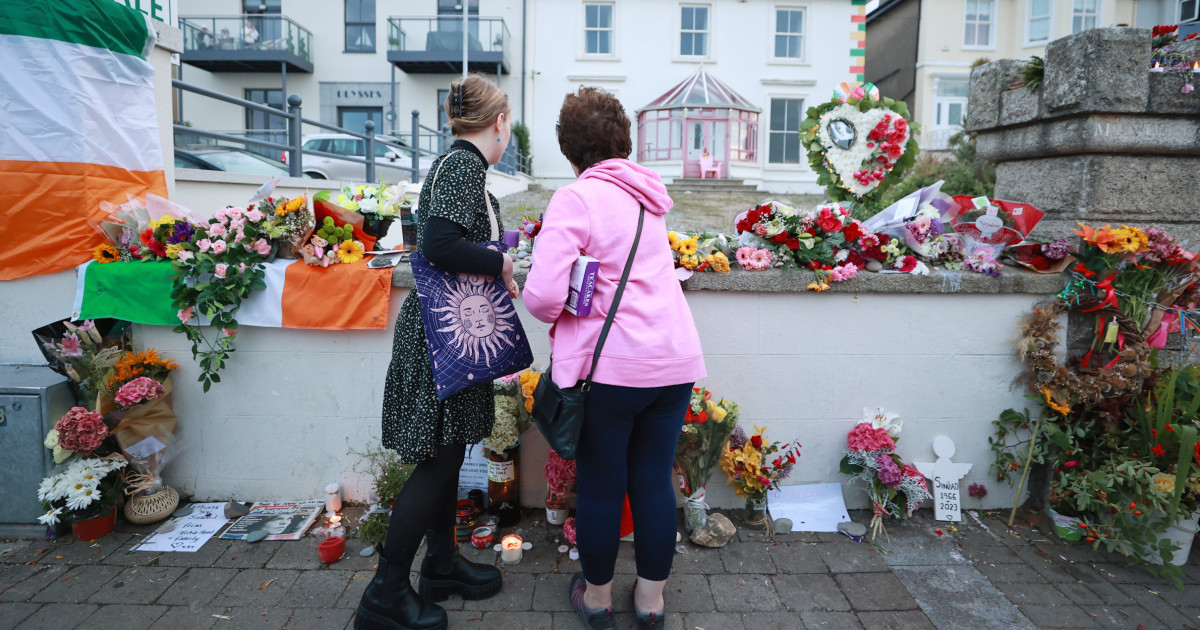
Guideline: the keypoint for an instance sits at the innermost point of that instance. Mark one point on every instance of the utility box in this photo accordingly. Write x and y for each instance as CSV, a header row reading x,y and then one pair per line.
x,y
32,399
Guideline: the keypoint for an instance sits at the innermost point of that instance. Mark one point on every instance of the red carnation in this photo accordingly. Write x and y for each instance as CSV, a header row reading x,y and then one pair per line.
x,y
781,237
829,223
852,231
908,263
793,243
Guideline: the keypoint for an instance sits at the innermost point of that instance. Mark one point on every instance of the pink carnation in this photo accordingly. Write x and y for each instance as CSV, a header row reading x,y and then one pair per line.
x,y
81,431
911,471
865,437
139,390
844,272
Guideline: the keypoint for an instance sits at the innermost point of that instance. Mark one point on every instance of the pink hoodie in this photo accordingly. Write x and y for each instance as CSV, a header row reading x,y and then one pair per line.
x,y
653,340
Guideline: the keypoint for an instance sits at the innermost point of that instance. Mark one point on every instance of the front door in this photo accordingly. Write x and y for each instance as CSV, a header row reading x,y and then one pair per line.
x,y
706,136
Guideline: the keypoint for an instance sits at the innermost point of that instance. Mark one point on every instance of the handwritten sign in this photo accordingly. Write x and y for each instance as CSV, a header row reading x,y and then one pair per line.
x,y
814,507
945,476
191,531
474,472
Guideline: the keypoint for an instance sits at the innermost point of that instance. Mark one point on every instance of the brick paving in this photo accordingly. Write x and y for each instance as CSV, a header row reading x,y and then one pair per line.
x,y
977,574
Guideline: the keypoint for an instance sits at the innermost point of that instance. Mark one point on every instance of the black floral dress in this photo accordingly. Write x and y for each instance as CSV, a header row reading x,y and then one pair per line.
x,y
415,423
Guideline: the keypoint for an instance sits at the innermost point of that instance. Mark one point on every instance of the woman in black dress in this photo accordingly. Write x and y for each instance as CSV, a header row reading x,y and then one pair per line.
x,y
454,214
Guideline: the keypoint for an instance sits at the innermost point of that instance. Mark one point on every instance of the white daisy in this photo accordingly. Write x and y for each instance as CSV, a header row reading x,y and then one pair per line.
x,y
51,517
48,488
82,499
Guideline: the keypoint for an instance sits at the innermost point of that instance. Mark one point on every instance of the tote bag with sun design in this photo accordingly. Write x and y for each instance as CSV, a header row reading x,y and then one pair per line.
x,y
471,326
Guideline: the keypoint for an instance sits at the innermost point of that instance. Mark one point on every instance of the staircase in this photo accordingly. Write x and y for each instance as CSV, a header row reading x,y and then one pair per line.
x,y
693,185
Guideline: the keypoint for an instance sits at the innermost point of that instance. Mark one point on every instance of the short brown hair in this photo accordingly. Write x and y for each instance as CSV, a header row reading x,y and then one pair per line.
x,y
593,127
482,102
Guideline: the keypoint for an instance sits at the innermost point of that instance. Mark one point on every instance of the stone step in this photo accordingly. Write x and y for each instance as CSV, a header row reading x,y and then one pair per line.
x,y
691,184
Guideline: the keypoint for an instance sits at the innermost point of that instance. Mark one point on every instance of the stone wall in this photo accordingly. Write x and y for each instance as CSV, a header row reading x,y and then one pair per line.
x,y
1104,140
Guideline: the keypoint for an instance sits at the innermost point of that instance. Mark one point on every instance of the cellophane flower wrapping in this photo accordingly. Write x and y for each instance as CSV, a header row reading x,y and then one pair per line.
x,y
706,429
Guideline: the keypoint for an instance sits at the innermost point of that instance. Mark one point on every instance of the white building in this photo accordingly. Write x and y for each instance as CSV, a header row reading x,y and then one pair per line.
x,y
922,51
780,57
353,60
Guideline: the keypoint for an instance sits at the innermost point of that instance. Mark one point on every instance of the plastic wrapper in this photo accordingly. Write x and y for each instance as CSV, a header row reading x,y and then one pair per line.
x,y
893,219
994,221
146,435
83,353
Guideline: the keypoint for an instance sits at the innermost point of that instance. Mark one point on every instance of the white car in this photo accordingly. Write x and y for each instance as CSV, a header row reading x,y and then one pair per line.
x,y
392,163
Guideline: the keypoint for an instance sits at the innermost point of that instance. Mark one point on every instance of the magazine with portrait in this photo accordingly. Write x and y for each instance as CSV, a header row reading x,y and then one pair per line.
x,y
281,521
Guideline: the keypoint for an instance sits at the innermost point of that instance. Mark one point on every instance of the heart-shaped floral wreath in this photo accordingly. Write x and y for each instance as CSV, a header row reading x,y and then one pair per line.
x,y
859,144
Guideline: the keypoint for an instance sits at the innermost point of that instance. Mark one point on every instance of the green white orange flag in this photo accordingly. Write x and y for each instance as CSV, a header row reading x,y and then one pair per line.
x,y
77,127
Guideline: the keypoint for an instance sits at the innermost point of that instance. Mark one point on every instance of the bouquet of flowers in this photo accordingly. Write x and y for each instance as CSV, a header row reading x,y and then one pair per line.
x,y
530,227
289,221
87,488
765,229
333,244
1052,257
752,472
84,353
381,201
707,426
560,476
896,488
700,252
510,423
144,426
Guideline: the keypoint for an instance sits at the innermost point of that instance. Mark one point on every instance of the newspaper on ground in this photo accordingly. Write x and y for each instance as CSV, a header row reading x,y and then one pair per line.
x,y
281,521
189,532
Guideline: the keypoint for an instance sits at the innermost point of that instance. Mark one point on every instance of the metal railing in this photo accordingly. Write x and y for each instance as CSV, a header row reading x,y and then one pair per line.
x,y
444,34
425,142
246,32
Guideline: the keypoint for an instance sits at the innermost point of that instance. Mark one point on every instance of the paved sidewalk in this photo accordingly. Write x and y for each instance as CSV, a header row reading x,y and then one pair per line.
x,y
978,575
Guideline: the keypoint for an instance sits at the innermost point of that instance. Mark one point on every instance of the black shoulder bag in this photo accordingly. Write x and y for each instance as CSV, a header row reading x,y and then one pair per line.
x,y
558,412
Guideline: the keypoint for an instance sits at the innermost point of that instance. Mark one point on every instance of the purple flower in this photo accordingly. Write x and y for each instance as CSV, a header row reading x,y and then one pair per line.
x,y
182,233
977,490
1056,250
889,473
737,439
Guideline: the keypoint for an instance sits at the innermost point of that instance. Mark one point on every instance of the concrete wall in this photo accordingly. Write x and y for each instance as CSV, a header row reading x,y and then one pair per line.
x,y
1103,141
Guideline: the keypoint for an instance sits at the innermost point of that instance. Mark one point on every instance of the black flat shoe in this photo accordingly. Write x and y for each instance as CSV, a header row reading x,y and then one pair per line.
x,y
469,579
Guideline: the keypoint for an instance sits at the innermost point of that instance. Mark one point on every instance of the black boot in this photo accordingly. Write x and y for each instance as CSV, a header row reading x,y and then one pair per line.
x,y
469,579
389,603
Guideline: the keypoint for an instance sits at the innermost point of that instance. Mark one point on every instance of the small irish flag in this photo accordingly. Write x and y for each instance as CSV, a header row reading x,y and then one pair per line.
x,y
77,126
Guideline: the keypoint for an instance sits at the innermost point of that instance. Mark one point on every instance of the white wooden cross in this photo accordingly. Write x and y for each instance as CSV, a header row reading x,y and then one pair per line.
x,y
945,475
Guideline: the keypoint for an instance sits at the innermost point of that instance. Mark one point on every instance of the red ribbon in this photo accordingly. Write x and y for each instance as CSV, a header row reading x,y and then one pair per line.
x,y
1110,296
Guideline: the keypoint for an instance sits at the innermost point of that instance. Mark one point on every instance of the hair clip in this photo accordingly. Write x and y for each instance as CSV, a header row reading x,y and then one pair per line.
x,y
456,100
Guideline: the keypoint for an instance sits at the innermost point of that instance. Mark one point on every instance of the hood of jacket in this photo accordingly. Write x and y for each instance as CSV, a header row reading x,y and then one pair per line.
x,y
639,181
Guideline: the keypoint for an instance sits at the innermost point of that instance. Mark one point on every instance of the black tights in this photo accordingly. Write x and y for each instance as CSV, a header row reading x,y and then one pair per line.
x,y
425,508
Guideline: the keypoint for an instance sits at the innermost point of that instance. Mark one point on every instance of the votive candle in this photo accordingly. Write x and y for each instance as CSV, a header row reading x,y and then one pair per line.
x,y
510,549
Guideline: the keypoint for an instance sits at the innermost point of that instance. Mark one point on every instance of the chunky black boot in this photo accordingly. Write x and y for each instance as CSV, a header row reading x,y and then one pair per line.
x,y
469,579
389,603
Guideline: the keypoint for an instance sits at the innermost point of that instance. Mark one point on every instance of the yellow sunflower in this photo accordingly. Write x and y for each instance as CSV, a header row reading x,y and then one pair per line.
x,y
688,247
106,254
295,204
673,239
1130,239
350,252
1063,408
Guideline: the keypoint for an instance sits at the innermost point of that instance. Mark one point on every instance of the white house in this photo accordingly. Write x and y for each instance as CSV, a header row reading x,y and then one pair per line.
x,y
732,77
745,70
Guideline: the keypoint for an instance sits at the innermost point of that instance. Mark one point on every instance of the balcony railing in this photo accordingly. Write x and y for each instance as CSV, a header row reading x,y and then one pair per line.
x,y
435,45
246,43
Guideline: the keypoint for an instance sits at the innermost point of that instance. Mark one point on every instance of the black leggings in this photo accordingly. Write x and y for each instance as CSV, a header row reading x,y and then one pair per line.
x,y
628,446
426,504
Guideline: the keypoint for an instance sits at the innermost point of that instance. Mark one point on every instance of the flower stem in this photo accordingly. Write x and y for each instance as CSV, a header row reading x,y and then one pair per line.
x,y
1025,473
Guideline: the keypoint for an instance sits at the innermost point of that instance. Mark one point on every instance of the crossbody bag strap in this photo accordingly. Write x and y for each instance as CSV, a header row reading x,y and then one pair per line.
x,y
612,312
493,224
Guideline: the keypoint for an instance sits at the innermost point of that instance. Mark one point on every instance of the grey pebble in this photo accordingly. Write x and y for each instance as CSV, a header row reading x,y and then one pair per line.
x,y
367,552
874,265
853,529
782,525
182,512
256,536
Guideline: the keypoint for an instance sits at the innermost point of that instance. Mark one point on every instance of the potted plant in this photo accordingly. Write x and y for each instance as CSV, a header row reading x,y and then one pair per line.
x,y
84,493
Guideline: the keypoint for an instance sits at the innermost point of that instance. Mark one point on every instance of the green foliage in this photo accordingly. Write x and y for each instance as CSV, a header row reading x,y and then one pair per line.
x,y
964,174
1033,73
979,62
521,133
333,233
389,475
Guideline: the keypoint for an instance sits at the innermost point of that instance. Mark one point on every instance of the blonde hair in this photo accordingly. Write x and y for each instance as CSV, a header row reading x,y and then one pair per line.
x,y
481,102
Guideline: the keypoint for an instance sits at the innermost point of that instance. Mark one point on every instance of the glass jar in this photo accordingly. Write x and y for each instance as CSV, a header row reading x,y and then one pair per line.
x,y
504,493
756,514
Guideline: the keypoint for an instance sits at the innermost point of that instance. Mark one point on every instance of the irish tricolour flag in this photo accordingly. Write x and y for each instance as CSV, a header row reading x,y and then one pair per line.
x,y
77,126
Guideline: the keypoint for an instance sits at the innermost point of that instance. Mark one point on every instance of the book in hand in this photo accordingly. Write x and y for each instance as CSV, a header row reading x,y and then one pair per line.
x,y
583,286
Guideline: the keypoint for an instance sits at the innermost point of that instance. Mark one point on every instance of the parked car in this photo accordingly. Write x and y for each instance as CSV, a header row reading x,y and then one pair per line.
x,y
231,159
392,163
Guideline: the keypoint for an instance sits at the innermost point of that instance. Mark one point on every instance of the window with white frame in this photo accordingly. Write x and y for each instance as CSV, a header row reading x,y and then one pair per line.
x,y
950,101
598,28
1038,21
1085,14
1189,11
693,30
789,33
980,16
783,139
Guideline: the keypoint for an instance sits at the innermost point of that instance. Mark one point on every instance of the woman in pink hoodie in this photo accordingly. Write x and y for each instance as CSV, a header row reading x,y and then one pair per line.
x,y
650,360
